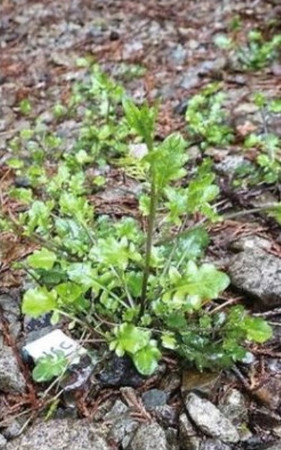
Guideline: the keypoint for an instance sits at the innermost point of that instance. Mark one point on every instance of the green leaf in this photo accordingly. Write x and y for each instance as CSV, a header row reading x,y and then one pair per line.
x,y
49,366
82,274
257,329
197,285
168,160
42,259
275,106
169,341
146,359
38,301
141,119
69,292
129,338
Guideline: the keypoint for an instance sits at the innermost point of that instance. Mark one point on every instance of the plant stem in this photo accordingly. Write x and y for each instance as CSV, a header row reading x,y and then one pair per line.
x,y
258,209
151,222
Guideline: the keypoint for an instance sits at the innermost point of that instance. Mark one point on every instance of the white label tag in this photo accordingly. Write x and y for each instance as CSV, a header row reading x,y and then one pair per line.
x,y
53,342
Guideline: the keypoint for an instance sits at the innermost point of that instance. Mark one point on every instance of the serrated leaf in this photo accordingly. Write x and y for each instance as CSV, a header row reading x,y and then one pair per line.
x,y
168,160
49,366
39,301
130,339
257,329
141,119
42,259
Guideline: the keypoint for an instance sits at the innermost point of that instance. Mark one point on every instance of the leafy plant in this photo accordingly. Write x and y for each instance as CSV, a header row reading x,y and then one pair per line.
x,y
257,52
139,285
206,117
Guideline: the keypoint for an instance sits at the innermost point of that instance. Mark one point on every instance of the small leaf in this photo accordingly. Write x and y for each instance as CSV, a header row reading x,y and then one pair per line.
x,y
39,301
42,259
257,329
49,366
146,359
130,339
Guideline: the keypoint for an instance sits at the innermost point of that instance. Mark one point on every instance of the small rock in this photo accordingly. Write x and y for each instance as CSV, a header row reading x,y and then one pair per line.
x,y
250,243
153,398
214,444
120,372
121,424
178,55
276,446
258,274
11,311
22,182
188,436
230,164
172,438
203,383
149,437
13,428
210,420
11,378
233,406
190,80
170,382
60,435
3,441
166,415
245,109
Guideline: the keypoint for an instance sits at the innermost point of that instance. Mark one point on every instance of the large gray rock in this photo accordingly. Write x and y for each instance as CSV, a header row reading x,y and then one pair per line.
x,y
149,437
210,420
11,378
61,434
258,274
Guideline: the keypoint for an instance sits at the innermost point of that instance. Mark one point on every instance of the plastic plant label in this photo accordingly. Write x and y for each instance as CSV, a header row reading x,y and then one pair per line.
x,y
53,342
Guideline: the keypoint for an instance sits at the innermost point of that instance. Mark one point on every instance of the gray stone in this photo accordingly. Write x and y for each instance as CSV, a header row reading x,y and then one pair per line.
x,y
276,446
13,428
170,382
230,164
190,80
210,420
258,274
166,415
11,312
11,378
153,398
121,424
188,436
64,434
233,406
149,437
172,438
3,441
213,444
250,243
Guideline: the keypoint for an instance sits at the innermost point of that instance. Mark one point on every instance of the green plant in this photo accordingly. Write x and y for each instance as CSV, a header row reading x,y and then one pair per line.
x,y
141,289
257,53
267,168
206,117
